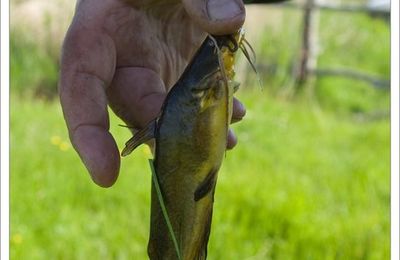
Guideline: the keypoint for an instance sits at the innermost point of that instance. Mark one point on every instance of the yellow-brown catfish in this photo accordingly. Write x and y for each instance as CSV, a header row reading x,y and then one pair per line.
x,y
190,141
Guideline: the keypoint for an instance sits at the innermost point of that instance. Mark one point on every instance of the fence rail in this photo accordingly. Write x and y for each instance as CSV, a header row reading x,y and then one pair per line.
x,y
376,81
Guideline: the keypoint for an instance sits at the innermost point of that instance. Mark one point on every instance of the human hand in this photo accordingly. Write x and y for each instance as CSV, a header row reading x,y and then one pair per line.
x,y
128,54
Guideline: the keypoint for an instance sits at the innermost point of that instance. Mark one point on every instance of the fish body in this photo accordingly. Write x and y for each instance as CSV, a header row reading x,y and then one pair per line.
x,y
190,143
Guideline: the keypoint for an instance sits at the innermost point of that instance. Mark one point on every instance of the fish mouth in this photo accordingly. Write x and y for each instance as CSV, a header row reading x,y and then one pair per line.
x,y
230,41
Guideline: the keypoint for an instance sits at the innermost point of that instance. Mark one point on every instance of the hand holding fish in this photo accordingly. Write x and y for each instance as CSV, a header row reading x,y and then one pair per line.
x,y
128,54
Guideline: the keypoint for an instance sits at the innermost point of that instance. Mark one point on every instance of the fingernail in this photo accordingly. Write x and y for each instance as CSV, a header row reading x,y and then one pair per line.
x,y
223,9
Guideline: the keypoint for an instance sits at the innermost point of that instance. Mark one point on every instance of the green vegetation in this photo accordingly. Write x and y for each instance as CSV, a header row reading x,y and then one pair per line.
x,y
364,46
34,71
303,183
309,179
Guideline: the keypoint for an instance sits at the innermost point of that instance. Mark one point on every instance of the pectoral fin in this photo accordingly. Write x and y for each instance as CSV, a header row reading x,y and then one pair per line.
x,y
235,86
140,137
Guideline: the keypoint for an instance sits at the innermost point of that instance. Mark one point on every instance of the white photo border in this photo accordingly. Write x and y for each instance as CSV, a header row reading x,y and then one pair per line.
x,y
395,105
4,152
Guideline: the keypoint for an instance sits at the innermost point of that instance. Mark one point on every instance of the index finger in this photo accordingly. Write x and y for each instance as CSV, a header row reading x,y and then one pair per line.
x,y
87,67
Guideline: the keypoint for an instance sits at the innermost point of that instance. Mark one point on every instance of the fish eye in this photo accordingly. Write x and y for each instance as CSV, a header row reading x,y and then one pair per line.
x,y
198,93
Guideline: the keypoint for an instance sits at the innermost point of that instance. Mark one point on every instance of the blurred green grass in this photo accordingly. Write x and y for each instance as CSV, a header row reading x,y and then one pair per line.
x,y
310,178
303,183
34,70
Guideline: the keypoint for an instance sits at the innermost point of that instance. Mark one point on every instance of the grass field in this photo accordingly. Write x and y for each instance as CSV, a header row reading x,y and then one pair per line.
x,y
303,183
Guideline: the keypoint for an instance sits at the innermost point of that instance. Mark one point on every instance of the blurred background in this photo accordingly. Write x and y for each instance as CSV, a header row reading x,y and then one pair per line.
x,y
309,179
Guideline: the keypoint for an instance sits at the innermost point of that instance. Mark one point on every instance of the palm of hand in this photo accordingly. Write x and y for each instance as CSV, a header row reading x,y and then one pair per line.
x,y
150,57
128,54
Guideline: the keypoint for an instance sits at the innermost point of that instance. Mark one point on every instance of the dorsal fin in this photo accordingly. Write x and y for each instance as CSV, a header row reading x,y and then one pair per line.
x,y
139,138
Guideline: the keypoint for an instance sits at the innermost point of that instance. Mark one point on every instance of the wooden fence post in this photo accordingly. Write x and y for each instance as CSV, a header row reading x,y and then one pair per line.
x,y
305,46
309,47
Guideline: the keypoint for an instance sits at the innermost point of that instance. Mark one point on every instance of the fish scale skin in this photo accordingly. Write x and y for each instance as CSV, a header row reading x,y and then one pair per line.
x,y
191,140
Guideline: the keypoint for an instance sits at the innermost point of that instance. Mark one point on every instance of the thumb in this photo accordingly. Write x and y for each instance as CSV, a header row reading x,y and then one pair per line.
x,y
216,16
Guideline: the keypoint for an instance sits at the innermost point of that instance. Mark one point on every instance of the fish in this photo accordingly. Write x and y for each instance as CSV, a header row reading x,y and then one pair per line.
x,y
190,143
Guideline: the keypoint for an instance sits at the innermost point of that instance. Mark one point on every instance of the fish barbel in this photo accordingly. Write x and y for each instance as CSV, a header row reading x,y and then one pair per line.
x,y
190,142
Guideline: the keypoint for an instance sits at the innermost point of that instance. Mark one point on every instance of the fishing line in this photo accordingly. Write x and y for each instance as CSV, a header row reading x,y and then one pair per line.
x,y
164,209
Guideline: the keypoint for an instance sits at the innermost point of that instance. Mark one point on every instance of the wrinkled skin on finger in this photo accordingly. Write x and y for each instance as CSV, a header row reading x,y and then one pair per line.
x,y
128,54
